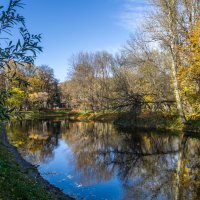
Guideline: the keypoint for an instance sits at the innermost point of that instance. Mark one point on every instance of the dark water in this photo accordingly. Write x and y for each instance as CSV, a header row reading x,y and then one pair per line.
x,y
97,161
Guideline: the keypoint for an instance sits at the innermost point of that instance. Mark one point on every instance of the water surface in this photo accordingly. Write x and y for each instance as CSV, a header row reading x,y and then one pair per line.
x,y
98,161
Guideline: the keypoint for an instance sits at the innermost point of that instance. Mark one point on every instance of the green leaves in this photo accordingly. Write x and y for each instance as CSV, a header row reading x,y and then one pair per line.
x,y
24,50
4,111
9,18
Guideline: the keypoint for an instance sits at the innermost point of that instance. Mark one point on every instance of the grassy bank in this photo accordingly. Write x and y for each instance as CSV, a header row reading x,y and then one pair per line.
x,y
15,184
152,120
35,114
104,116
147,120
158,120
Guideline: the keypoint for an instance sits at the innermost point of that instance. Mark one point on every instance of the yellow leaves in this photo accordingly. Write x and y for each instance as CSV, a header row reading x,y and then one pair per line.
x,y
17,97
190,49
35,83
35,80
19,143
38,97
189,70
17,91
188,78
148,98
189,85
195,115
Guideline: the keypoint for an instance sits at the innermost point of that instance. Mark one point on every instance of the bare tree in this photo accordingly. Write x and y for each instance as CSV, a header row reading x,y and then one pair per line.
x,y
168,24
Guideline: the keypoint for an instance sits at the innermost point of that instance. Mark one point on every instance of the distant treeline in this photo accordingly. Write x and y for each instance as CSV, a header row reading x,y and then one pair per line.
x,y
37,88
157,69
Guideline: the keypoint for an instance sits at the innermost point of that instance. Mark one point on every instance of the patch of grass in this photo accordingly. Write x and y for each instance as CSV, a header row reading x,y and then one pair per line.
x,y
151,120
44,113
80,115
103,116
15,185
157,120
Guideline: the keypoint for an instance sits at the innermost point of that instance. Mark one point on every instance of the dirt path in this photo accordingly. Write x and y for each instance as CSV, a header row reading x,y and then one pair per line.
x,y
30,169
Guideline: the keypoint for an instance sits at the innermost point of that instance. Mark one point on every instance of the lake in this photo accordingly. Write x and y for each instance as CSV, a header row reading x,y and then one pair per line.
x,y
90,160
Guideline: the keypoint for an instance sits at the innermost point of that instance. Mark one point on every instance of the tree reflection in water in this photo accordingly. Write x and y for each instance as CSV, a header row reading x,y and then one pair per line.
x,y
36,139
148,165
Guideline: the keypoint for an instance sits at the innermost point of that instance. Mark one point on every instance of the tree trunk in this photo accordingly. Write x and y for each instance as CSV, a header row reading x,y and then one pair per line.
x,y
177,94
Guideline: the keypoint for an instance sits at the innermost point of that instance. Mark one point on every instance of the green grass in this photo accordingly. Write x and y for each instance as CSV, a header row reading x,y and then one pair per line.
x,y
157,120
103,116
15,185
151,120
44,113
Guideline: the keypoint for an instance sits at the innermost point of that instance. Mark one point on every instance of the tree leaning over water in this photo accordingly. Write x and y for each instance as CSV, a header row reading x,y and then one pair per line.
x,y
14,51
148,74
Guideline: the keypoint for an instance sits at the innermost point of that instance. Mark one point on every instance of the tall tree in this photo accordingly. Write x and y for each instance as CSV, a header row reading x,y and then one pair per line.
x,y
168,25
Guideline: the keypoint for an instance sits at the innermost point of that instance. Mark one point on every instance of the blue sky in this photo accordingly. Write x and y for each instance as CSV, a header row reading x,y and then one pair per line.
x,y
70,26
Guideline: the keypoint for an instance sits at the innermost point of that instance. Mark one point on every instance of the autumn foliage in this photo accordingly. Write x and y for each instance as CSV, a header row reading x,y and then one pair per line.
x,y
189,71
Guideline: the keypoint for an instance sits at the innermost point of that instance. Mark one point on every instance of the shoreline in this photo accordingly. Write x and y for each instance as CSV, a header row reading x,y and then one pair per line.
x,y
30,170
155,121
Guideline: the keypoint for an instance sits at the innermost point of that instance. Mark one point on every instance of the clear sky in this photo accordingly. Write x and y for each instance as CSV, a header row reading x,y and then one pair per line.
x,y
70,26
